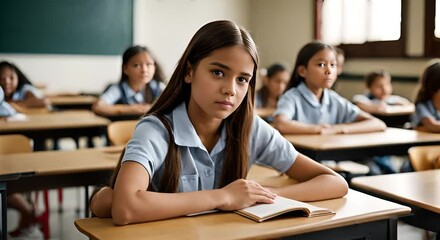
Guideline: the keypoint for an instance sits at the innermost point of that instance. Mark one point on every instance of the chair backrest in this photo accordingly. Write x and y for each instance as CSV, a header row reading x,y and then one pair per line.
x,y
120,132
14,143
423,157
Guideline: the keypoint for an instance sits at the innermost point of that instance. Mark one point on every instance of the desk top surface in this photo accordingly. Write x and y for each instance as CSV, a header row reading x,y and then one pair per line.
x,y
55,120
421,189
355,207
59,162
391,136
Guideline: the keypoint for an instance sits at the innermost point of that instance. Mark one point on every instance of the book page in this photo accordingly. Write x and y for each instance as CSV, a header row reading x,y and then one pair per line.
x,y
261,212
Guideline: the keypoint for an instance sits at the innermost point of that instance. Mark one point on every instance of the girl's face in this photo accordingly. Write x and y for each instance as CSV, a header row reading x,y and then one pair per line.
x,y
8,81
381,88
140,68
277,83
321,70
219,83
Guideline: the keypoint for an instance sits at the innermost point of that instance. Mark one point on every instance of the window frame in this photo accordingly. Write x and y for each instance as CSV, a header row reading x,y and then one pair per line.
x,y
432,43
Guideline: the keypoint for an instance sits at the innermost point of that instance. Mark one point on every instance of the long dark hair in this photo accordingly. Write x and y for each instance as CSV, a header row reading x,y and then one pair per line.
x,y
303,58
212,36
271,71
22,79
158,74
429,83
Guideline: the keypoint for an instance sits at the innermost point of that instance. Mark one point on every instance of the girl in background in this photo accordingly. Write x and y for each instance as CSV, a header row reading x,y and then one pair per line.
x,y
19,91
274,84
309,106
193,149
140,85
427,114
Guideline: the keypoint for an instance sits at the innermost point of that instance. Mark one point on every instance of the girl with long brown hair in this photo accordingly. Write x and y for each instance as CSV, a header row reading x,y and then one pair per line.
x,y
193,149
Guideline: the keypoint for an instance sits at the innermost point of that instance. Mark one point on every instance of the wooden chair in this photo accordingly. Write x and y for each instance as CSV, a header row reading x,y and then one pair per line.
x,y
423,157
120,132
15,143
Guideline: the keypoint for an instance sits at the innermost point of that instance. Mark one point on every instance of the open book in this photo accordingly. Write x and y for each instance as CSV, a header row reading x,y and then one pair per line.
x,y
262,212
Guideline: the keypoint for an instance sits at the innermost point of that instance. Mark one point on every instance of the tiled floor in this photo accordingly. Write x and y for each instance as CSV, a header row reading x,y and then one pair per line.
x,y
62,226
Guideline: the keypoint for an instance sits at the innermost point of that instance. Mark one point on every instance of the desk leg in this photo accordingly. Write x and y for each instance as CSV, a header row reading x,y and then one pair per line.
x,y
86,206
378,230
4,208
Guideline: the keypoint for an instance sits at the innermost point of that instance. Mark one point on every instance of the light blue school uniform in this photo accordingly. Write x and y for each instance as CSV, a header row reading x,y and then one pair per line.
x,y
200,169
6,110
122,93
20,95
300,104
425,109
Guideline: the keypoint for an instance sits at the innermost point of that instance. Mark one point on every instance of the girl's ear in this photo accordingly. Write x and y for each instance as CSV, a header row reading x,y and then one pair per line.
x,y
302,71
188,73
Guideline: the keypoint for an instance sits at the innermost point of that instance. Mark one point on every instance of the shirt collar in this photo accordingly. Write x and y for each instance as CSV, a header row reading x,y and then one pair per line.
x,y
310,97
186,135
129,93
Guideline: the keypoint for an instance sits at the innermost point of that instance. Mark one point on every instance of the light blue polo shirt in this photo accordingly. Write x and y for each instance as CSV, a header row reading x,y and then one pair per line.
x,y
200,169
113,93
6,110
425,109
300,104
20,95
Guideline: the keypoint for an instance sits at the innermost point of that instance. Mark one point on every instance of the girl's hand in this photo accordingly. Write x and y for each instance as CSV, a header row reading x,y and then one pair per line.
x,y
139,108
244,193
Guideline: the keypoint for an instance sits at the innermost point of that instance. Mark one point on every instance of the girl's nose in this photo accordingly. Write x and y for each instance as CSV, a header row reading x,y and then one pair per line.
x,y
229,87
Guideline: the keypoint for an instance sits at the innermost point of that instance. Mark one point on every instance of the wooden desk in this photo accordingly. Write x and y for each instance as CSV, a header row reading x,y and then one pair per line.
x,y
23,172
357,215
42,126
396,116
63,102
418,190
392,141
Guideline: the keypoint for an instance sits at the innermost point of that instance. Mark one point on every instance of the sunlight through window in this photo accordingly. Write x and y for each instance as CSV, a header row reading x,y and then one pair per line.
x,y
437,19
356,22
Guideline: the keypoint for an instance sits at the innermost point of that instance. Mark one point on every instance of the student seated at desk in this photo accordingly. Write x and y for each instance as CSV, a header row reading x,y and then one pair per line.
x,y
140,85
26,226
19,91
427,114
309,106
274,84
378,99
379,96
192,151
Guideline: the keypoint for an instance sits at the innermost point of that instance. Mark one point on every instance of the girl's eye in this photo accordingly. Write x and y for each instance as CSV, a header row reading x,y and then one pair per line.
x,y
321,64
136,65
243,80
150,64
218,73
333,65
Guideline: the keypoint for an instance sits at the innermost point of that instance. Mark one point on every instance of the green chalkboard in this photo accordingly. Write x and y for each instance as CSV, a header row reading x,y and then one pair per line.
x,y
95,27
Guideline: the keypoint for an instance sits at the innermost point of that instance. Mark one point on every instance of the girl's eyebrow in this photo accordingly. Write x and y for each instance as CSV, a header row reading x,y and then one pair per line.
x,y
221,65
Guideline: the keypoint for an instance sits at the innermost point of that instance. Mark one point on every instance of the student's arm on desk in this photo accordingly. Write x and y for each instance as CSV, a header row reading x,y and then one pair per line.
x,y
364,123
131,203
104,109
429,125
286,126
316,182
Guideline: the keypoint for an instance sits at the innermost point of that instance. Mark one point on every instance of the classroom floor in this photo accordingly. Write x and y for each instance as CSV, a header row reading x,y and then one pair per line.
x,y
62,226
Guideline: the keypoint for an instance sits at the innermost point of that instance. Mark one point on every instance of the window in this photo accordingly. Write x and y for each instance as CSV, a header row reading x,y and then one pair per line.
x,y
363,28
